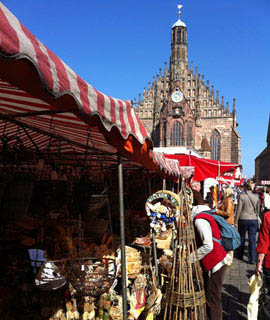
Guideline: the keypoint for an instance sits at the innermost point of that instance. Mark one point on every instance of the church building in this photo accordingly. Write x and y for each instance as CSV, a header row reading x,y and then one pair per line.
x,y
262,163
180,108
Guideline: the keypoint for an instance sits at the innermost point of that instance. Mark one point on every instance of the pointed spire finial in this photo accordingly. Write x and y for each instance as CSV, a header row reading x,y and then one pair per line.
x,y
179,10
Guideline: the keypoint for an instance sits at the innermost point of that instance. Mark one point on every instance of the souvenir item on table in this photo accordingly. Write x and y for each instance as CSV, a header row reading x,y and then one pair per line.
x,y
163,209
144,241
91,276
163,239
89,311
58,315
52,275
76,314
133,262
137,298
153,304
116,311
104,307
69,310
166,260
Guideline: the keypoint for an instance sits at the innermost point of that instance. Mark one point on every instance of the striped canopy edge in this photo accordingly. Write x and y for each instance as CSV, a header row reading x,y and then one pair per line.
x,y
17,42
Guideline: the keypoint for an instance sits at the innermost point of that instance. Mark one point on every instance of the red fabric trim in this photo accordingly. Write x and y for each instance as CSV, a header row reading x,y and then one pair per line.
x,y
9,39
204,168
84,95
263,245
218,253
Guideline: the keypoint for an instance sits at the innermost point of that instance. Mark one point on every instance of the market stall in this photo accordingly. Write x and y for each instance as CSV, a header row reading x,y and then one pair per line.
x,y
63,144
204,168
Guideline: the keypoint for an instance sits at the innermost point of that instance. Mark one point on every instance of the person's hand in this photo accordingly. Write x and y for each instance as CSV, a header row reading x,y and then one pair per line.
x,y
259,267
236,225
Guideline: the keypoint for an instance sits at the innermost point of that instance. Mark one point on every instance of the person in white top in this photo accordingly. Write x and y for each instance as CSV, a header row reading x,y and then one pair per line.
x,y
214,261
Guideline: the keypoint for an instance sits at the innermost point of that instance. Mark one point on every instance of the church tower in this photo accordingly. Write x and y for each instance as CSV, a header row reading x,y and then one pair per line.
x,y
181,108
178,59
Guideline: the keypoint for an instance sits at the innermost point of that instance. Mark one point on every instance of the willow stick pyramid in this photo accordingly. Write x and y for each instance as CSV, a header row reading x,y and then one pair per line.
x,y
185,296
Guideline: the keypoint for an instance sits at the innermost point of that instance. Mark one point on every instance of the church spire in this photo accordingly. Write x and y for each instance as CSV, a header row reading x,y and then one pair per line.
x,y
268,134
178,59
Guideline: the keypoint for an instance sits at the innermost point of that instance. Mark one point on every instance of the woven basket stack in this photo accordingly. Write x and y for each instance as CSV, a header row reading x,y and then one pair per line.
x,y
133,262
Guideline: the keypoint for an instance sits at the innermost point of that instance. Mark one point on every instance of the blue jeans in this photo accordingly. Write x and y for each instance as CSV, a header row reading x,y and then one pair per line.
x,y
250,226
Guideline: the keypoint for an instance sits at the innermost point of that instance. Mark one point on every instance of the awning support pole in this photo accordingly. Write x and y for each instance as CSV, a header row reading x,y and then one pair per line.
x,y
153,235
164,184
122,235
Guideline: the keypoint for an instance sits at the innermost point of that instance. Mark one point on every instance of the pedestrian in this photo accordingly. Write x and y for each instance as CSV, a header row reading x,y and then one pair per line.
x,y
226,210
197,196
263,248
263,266
267,199
213,258
210,197
247,221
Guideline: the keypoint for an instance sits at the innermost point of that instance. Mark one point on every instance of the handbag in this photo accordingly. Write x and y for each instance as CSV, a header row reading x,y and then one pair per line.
x,y
264,303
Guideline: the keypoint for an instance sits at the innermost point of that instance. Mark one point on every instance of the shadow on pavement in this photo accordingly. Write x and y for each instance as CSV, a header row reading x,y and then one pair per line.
x,y
234,303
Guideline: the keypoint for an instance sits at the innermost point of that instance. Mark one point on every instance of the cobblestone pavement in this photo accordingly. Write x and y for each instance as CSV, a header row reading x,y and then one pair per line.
x,y
235,293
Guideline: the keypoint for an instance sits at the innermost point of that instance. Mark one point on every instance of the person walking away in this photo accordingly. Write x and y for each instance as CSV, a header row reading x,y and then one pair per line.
x,y
210,197
263,250
213,258
247,221
226,210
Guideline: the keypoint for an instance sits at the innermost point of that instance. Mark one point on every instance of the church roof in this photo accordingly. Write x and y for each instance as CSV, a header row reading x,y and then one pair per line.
x,y
268,134
264,153
179,23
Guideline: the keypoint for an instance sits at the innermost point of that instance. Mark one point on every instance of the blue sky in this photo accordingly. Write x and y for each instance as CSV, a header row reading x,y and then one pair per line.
x,y
119,45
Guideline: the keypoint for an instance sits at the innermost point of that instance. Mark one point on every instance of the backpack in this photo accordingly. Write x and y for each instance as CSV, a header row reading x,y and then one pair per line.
x,y
230,237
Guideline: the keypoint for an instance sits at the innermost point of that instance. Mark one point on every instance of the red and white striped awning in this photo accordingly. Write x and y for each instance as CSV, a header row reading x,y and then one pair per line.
x,y
41,98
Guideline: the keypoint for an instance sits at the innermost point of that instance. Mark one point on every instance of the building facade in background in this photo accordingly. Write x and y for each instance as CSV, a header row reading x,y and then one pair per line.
x,y
262,163
180,108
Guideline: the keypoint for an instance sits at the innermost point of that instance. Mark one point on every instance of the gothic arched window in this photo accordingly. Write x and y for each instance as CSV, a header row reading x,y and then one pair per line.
x,y
189,134
215,145
177,134
179,36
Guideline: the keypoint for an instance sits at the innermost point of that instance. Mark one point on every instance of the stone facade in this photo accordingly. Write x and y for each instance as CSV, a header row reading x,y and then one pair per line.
x,y
262,162
198,114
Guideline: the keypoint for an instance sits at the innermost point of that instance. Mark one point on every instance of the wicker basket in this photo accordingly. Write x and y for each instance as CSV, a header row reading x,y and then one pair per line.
x,y
184,300
96,203
52,274
92,276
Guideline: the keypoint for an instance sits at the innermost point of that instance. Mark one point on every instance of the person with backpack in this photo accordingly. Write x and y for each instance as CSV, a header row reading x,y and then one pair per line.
x,y
213,258
246,220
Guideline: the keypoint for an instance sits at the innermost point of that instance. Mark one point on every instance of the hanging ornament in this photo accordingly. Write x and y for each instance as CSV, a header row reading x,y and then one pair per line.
x,y
162,208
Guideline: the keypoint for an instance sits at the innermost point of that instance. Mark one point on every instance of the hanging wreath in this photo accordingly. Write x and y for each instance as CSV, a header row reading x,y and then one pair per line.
x,y
163,209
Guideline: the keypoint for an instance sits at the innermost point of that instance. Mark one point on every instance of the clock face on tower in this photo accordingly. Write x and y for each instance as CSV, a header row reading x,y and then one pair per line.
x,y
177,96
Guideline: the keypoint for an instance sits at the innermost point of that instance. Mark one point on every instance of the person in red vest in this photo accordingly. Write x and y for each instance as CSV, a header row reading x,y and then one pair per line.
x,y
263,248
213,258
